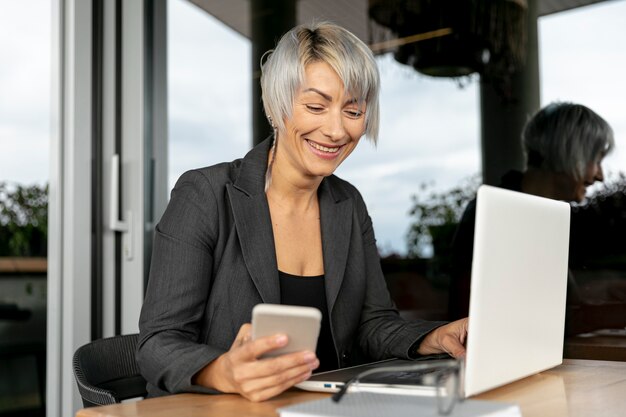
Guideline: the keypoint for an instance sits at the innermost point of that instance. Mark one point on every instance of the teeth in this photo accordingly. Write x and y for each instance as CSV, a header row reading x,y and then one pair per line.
x,y
323,148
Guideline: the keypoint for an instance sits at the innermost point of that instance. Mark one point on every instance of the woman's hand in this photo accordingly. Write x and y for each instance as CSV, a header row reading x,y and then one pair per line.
x,y
240,371
449,338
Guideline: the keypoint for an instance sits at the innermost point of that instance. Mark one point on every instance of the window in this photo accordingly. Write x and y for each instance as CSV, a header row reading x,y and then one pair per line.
x,y
209,90
25,84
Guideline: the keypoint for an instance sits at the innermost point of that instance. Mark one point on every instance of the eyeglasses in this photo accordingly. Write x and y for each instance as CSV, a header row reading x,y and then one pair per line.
x,y
446,374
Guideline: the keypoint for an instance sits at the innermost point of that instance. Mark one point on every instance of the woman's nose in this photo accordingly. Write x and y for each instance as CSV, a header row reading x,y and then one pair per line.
x,y
334,128
599,173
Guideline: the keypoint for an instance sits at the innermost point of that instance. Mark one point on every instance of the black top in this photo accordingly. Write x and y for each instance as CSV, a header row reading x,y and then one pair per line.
x,y
311,292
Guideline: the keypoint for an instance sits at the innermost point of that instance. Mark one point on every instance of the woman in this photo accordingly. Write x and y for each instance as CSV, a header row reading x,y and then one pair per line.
x,y
565,144
278,227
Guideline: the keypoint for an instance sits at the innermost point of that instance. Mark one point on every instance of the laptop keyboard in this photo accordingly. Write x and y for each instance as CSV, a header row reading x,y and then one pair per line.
x,y
421,377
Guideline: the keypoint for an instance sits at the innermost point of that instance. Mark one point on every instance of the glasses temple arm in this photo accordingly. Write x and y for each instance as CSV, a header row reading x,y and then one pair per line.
x,y
342,391
416,367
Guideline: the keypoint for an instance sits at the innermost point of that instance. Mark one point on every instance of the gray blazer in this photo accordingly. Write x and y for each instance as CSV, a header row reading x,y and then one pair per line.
x,y
213,260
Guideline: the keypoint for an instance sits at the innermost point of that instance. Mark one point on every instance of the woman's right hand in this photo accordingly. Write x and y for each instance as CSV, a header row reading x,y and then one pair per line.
x,y
241,371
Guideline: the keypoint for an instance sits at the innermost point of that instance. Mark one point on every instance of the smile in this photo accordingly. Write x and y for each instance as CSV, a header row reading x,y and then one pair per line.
x,y
323,148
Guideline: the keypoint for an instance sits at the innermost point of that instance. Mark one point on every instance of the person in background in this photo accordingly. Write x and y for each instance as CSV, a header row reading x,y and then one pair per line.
x,y
277,226
565,144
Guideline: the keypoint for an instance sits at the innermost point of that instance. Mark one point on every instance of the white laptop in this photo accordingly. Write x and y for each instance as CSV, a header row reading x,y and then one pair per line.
x,y
517,303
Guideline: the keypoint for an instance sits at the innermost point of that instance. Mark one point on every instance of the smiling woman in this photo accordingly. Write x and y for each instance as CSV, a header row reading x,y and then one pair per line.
x,y
351,60
323,130
231,239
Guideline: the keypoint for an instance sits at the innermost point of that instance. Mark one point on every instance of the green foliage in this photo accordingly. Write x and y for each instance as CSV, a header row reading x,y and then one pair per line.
x,y
598,224
435,215
23,220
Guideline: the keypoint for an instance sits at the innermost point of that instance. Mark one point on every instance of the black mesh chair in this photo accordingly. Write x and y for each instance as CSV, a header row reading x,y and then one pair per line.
x,y
106,371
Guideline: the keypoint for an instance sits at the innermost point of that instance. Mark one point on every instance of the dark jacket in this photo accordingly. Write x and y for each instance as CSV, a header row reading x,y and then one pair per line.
x,y
214,259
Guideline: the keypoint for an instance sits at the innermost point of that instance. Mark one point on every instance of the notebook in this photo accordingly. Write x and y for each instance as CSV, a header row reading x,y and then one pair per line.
x,y
517,302
367,404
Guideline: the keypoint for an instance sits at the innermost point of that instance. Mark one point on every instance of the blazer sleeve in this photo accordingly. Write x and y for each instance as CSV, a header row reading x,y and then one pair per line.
x,y
382,332
170,350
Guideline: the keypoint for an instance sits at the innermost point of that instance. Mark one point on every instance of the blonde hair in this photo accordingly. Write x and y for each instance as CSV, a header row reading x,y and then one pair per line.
x,y
283,71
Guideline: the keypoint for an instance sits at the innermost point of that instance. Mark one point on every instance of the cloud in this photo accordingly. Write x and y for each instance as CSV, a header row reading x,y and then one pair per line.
x,y
430,128
209,75
209,69
24,157
196,145
582,60
25,91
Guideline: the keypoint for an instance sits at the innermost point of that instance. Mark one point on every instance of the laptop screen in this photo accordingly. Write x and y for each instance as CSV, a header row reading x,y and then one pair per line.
x,y
517,302
518,289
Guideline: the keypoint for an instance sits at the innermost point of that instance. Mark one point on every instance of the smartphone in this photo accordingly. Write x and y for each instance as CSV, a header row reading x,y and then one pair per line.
x,y
300,324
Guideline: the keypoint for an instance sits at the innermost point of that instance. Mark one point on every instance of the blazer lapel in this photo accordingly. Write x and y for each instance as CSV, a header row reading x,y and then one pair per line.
x,y
336,224
254,228
253,223
256,238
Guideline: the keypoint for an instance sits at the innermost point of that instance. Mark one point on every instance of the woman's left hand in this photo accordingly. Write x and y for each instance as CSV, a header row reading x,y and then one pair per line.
x,y
449,338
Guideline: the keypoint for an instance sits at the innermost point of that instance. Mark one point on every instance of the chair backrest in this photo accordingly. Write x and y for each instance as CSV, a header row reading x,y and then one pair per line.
x,y
106,371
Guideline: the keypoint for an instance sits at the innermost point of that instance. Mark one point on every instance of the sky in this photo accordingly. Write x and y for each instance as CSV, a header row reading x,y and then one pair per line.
x,y
25,29
430,127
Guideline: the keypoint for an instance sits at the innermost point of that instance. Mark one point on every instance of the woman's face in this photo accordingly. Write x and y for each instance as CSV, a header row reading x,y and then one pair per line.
x,y
325,126
578,188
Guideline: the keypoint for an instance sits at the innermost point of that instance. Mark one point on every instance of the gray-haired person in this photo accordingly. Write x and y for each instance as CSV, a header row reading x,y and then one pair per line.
x,y
278,227
565,144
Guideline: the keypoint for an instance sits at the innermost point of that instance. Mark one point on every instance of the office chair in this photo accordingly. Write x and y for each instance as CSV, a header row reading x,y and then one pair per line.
x,y
106,371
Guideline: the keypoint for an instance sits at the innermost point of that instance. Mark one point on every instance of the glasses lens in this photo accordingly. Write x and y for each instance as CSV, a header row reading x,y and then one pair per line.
x,y
447,391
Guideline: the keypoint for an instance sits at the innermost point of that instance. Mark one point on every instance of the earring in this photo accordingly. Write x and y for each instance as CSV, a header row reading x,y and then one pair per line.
x,y
274,128
268,172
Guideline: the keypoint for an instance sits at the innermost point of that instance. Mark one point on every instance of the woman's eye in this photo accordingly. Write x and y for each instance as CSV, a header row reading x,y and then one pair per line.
x,y
353,113
314,109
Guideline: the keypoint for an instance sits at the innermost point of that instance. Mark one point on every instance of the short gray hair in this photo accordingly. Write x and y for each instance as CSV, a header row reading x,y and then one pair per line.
x,y
283,72
566,137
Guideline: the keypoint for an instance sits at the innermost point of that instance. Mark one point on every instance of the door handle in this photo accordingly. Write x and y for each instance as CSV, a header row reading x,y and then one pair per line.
x,y
116,224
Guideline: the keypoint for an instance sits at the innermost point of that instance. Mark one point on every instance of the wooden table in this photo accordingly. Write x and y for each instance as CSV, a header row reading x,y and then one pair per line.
x,y
576,388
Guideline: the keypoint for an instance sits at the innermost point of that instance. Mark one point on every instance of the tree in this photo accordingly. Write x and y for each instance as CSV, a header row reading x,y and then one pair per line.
x,y
435,216
23,220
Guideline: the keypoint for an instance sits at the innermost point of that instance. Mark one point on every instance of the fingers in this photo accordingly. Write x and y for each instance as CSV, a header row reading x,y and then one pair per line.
x,y
244,335
273,390
251,350
449,339
257,379
453,338
273,366
276,379
453,346
464,326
